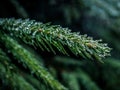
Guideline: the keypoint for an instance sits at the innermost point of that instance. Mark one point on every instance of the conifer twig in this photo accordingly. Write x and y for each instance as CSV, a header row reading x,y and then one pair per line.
x,y
26,58
48,36
10,76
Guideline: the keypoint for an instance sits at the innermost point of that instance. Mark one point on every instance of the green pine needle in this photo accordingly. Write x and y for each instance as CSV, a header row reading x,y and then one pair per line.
x,y
48,37
10,76
27,59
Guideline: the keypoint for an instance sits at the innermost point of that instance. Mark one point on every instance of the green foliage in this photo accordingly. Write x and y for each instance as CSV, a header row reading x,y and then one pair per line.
x,y
30,62
48,36
52,38
10,75
21,63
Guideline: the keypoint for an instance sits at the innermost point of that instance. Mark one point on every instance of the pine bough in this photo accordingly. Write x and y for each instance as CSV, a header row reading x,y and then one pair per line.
x,y
47,36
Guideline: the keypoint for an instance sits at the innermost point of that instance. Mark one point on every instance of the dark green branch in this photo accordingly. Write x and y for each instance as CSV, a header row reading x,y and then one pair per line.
x,y
10,76
30,62
48,36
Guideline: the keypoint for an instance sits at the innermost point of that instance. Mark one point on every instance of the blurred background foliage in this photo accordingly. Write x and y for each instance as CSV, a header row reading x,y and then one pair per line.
x,y
97,18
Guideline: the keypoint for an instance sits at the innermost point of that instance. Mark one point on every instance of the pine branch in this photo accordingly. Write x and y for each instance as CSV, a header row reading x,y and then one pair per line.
x,y
48,36
10,76
30,62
